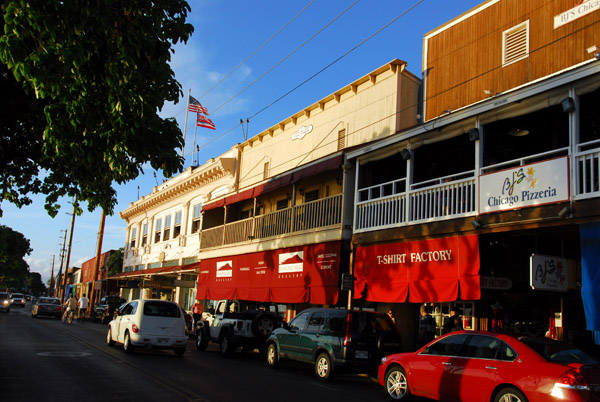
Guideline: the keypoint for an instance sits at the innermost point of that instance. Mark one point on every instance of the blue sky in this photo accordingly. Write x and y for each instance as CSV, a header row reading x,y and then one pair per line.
x,y
305,38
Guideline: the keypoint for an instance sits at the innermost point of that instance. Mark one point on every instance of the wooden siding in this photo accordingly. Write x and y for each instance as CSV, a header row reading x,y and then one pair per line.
x,y
464,58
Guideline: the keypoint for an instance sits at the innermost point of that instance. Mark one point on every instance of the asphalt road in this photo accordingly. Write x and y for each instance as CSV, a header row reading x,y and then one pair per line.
x,y
46,360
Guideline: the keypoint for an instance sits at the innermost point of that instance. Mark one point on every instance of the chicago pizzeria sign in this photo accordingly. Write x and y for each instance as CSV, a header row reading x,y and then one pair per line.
x,y
525,186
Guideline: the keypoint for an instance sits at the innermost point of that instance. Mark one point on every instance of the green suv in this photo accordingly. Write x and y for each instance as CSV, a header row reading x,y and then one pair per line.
x,y
335,339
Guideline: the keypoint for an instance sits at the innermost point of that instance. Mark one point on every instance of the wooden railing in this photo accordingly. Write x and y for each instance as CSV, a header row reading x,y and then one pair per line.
x,y
326,212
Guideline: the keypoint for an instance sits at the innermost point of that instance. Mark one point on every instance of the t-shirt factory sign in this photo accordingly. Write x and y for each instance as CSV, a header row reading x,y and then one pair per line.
x,y
525,186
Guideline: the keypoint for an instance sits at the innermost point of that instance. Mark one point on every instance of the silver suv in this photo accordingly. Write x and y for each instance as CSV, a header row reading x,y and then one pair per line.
x,y
17,299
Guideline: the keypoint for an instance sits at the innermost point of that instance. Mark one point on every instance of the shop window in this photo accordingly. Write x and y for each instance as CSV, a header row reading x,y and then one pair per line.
x,y
132,239
197,218
145,234
311,196
282,204
441,313
158,230
177,227
167,231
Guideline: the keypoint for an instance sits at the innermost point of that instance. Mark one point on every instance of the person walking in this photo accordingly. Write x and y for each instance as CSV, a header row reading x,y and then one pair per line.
x,y
426,328
82,306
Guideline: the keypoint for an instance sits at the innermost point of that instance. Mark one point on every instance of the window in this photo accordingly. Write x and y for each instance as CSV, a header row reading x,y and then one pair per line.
x,y
311,196
266,171
448,346
482,347
167,231
299,323
145,235
341,139
158,230
245,214
177,228
515,43
316,322
197,218
132,239
282,204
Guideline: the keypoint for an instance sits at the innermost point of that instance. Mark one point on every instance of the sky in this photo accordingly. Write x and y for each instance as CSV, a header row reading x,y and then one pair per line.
x,y
260,61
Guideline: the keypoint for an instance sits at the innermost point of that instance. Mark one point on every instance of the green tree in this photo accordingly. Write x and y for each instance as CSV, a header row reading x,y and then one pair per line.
x,y
35,283
115,262
13,249
82,83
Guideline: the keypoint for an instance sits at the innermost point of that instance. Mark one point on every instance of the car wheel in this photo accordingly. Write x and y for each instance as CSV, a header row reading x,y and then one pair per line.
x,y
127,346
272,356
396,384
201,339
226,347
179,351
323,367
263,325
109,339
510,394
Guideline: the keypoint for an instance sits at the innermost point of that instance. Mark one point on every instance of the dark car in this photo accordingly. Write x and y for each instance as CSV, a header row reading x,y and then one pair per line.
x,y
483,366
333,339
47,306
4,301
106,308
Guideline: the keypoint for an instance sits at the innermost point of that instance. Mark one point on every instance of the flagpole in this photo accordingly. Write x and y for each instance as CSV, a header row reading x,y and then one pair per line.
x,y
194,146
186,121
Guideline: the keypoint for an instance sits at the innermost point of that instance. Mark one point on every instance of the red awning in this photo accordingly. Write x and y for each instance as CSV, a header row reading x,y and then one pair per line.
x,y
275,183
292,275
424,271
158,271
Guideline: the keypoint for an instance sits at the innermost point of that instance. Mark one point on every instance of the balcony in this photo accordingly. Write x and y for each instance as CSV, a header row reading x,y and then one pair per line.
x,y
319,214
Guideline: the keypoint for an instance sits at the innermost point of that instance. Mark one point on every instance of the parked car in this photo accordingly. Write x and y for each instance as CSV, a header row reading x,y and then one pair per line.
x,y
482,366
47,306
4,301
17,299
149,323
333,339
105,309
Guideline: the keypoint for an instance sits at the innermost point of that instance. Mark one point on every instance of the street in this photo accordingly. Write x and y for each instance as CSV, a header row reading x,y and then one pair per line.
x,y
47,360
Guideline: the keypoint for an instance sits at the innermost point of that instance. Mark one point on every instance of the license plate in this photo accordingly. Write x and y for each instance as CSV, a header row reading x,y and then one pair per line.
x,y
361,354
163,340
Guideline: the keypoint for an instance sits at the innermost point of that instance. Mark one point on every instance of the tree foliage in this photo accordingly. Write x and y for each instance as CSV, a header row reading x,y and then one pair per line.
x,y
82,85
35,284
13,249
115,262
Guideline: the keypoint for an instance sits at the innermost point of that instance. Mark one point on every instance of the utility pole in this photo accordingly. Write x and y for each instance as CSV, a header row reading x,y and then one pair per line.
x,y
64,292
51,293
97,263
62,258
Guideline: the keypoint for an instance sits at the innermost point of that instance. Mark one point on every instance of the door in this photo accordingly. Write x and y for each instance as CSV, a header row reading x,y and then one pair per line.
x,y
311,336
431,371
123,320
289,339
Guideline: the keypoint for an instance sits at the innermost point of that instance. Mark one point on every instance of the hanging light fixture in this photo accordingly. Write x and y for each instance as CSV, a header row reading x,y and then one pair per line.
x,y
518,132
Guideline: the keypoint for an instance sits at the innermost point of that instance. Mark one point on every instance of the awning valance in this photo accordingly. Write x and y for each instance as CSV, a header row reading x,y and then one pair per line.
x,y
292,275
436,270
188,268
277,182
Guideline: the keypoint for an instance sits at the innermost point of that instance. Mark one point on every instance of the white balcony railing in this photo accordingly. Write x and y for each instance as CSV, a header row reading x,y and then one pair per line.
x,y
323,213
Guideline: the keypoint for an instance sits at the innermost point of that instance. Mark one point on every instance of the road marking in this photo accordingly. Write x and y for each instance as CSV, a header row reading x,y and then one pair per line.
x,y
64,354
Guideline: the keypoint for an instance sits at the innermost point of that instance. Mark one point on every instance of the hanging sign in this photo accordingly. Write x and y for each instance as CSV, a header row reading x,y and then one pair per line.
x,y
525,186
549,273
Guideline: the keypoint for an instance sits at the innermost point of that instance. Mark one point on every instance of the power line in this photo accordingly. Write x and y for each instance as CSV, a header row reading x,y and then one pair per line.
x,y
258,49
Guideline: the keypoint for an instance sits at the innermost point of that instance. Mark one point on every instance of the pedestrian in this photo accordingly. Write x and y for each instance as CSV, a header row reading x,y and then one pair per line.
x,y
82,305
197,310
426,327
391,315
71,306
450,325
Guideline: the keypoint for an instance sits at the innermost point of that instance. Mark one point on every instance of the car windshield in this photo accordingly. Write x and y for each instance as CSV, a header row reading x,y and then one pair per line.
x,y
161,309
556,351
17,295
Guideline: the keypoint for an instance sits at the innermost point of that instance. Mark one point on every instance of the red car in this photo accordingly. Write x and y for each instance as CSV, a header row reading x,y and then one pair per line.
x,y
469,366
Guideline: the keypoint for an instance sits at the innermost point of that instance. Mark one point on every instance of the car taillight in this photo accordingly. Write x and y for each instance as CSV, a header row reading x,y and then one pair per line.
x,y
348,336
135,329
59,308
572,378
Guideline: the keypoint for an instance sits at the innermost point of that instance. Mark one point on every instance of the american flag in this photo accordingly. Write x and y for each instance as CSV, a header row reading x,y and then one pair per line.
x,y
203,121
196,106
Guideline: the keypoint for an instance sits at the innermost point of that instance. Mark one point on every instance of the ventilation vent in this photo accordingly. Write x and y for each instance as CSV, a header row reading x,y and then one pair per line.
x,y
341,139
515,43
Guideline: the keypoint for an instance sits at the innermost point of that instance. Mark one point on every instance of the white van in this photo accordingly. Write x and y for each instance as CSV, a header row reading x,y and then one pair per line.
x,y
149,323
